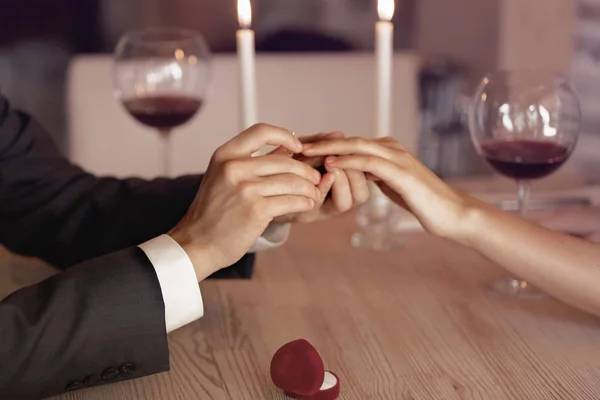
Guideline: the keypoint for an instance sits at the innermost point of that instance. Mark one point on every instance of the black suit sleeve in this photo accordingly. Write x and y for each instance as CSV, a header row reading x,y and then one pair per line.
x,y
54,210
99,322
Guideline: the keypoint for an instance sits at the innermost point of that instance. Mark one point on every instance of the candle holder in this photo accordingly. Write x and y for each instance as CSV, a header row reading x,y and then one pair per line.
x,y
375,224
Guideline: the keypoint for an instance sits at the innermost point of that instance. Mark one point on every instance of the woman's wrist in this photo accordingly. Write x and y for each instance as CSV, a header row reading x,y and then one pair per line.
x,y
472,221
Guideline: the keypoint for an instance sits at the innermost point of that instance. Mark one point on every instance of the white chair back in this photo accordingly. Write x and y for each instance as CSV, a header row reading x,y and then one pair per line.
x,y
303,93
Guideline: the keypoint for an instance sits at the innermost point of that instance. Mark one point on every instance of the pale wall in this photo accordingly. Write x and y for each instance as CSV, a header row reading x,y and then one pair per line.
x,y
486,34
489,34
463,29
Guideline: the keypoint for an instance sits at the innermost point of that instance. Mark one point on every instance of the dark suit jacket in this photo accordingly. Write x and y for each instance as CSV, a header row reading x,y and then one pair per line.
x,y
102,320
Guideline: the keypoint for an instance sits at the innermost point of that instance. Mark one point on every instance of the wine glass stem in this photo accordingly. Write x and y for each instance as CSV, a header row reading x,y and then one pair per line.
x,y
165,144
523,190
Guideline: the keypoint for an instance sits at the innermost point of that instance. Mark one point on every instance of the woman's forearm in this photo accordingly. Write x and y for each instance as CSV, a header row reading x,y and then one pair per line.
x,y
565,267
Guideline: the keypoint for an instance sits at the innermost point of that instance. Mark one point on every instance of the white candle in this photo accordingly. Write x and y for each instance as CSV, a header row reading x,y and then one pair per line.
x,y
245,51
384,45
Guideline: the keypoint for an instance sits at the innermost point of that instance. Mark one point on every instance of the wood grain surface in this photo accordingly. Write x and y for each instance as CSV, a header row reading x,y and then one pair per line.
x,y
408,324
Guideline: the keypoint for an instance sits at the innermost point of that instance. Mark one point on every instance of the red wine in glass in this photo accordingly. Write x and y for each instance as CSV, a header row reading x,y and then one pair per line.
x,y
172,67
163,112
525,124
524,159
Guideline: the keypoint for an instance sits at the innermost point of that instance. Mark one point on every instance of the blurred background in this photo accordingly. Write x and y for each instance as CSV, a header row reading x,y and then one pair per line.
x,y
457,41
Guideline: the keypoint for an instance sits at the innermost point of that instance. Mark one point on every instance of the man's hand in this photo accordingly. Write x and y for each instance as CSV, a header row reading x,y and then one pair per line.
x,y
348,187
240,195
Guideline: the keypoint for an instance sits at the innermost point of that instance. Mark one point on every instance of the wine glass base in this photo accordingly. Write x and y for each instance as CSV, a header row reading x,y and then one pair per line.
x,y
514,288
376,239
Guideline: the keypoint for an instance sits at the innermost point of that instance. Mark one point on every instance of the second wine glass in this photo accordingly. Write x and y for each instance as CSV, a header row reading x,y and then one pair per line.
x,y
161,76
525,124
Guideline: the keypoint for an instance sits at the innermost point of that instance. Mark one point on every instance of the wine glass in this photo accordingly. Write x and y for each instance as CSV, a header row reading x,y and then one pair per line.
x,y
161,76
525,124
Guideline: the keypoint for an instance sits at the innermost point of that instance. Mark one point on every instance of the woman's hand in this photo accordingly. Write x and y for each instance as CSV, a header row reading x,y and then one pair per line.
x,y
402,177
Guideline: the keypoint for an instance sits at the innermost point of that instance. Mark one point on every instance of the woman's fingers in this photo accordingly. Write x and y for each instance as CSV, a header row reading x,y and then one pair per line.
x,y
325,185
371,177
349,146
384,169
321,136
390,142
388,175
309,139
358,186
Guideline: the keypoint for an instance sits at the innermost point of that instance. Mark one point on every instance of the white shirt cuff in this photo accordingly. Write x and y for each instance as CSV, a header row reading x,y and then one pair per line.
x,y
177,280
275,235
177,277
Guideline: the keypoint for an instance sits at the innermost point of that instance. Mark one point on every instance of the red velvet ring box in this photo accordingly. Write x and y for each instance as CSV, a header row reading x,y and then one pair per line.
x,y
298,370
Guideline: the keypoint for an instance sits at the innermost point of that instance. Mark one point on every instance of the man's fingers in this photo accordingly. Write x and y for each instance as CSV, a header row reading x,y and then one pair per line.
x,y
358,186
285,184
281,151
255,137
341,195
325,185
277,206
274,164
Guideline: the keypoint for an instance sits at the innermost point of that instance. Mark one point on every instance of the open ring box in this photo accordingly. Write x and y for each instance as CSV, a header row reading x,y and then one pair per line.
x,y
298,370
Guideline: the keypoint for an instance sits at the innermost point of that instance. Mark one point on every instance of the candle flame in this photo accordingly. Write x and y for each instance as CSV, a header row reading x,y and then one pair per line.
x,y
385,9
244,13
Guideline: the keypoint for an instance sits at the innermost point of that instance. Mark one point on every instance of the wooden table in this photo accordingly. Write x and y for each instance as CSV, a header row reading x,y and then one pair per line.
x,y
408,324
